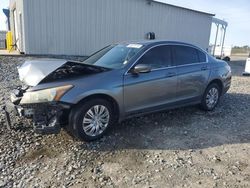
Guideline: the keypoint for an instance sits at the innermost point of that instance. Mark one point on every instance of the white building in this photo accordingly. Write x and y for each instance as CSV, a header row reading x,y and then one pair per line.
x,y
80,27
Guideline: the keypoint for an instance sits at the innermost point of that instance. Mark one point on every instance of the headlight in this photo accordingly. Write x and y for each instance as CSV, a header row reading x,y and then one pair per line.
x,y
46,95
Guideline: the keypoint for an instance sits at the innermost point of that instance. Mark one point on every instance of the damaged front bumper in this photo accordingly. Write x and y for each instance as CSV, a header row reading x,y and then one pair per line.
x,y
47,118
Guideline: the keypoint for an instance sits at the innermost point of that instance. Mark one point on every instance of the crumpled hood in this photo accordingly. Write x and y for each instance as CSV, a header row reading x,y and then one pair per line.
x,y
32,72
35,72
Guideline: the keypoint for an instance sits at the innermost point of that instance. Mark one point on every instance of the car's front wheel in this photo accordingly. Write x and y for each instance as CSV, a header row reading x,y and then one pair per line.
x,y
211,97
92,119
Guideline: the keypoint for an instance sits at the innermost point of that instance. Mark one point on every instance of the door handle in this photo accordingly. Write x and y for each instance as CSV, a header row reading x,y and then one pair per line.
x,y
204,68
170,74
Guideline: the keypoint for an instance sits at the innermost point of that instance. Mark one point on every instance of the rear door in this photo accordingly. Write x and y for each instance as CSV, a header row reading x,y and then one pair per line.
x,y
192,72
158,87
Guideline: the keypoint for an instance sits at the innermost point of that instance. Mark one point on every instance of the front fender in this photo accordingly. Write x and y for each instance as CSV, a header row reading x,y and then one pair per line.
x,y
75,96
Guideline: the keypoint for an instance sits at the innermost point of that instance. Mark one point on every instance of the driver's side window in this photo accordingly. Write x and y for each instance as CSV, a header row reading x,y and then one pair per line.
x,y
158,57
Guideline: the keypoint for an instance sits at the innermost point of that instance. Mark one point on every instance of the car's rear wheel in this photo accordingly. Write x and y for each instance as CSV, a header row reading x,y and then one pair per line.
x,y
211,97
90,120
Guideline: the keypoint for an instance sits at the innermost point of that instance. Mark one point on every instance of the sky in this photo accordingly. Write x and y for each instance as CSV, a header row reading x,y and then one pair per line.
x,y
3,4
236,13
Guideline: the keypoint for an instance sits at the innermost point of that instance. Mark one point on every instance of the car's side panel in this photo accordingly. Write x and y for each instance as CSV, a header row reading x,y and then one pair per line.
x,y
192,71
221,71
97,84
148,90
192,80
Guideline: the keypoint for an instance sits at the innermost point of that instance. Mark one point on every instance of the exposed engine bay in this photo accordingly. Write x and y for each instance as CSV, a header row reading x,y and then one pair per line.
x,y
71,70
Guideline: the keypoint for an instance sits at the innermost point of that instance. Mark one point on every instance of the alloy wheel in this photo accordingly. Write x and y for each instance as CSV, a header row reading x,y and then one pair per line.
x,y
96,120
212,97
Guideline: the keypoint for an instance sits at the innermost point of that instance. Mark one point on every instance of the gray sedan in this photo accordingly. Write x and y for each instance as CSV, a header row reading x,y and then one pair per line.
x,y
120,81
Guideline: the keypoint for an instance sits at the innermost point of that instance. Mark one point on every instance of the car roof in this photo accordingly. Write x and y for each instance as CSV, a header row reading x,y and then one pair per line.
x,y
150,43
157,42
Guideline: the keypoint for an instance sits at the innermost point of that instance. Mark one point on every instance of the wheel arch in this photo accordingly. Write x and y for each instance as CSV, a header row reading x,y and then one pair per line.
x,y
218,82
106,97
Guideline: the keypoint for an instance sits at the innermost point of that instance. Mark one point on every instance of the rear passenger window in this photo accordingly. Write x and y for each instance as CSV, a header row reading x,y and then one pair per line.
x,y
202,56
184,55
158,57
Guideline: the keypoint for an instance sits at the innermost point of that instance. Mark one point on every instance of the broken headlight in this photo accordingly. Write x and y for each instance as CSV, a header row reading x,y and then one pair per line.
x,y
46,95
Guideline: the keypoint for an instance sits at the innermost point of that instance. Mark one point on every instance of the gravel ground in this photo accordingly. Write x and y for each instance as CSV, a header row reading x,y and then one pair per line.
x,y
179,148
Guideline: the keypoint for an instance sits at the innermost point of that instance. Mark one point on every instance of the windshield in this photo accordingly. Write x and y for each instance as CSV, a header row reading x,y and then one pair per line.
x,y
114,56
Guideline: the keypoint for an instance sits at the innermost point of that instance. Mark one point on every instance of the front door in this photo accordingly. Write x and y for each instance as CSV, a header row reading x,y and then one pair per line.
x,y
150,90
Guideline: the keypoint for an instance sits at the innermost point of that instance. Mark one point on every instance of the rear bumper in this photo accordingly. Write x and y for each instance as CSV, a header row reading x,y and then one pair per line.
x,y
227,87
227,84
47,118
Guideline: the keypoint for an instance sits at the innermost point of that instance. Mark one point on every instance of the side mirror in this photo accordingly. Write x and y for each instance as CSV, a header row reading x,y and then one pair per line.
x,y
141,68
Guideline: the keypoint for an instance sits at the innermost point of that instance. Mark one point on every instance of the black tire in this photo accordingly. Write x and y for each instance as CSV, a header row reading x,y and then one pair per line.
x,y
204,105
227,59
78,113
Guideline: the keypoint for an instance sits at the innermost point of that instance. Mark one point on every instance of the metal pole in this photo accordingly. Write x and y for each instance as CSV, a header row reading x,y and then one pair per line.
x,y
8,20
222,46
215,43
221,34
